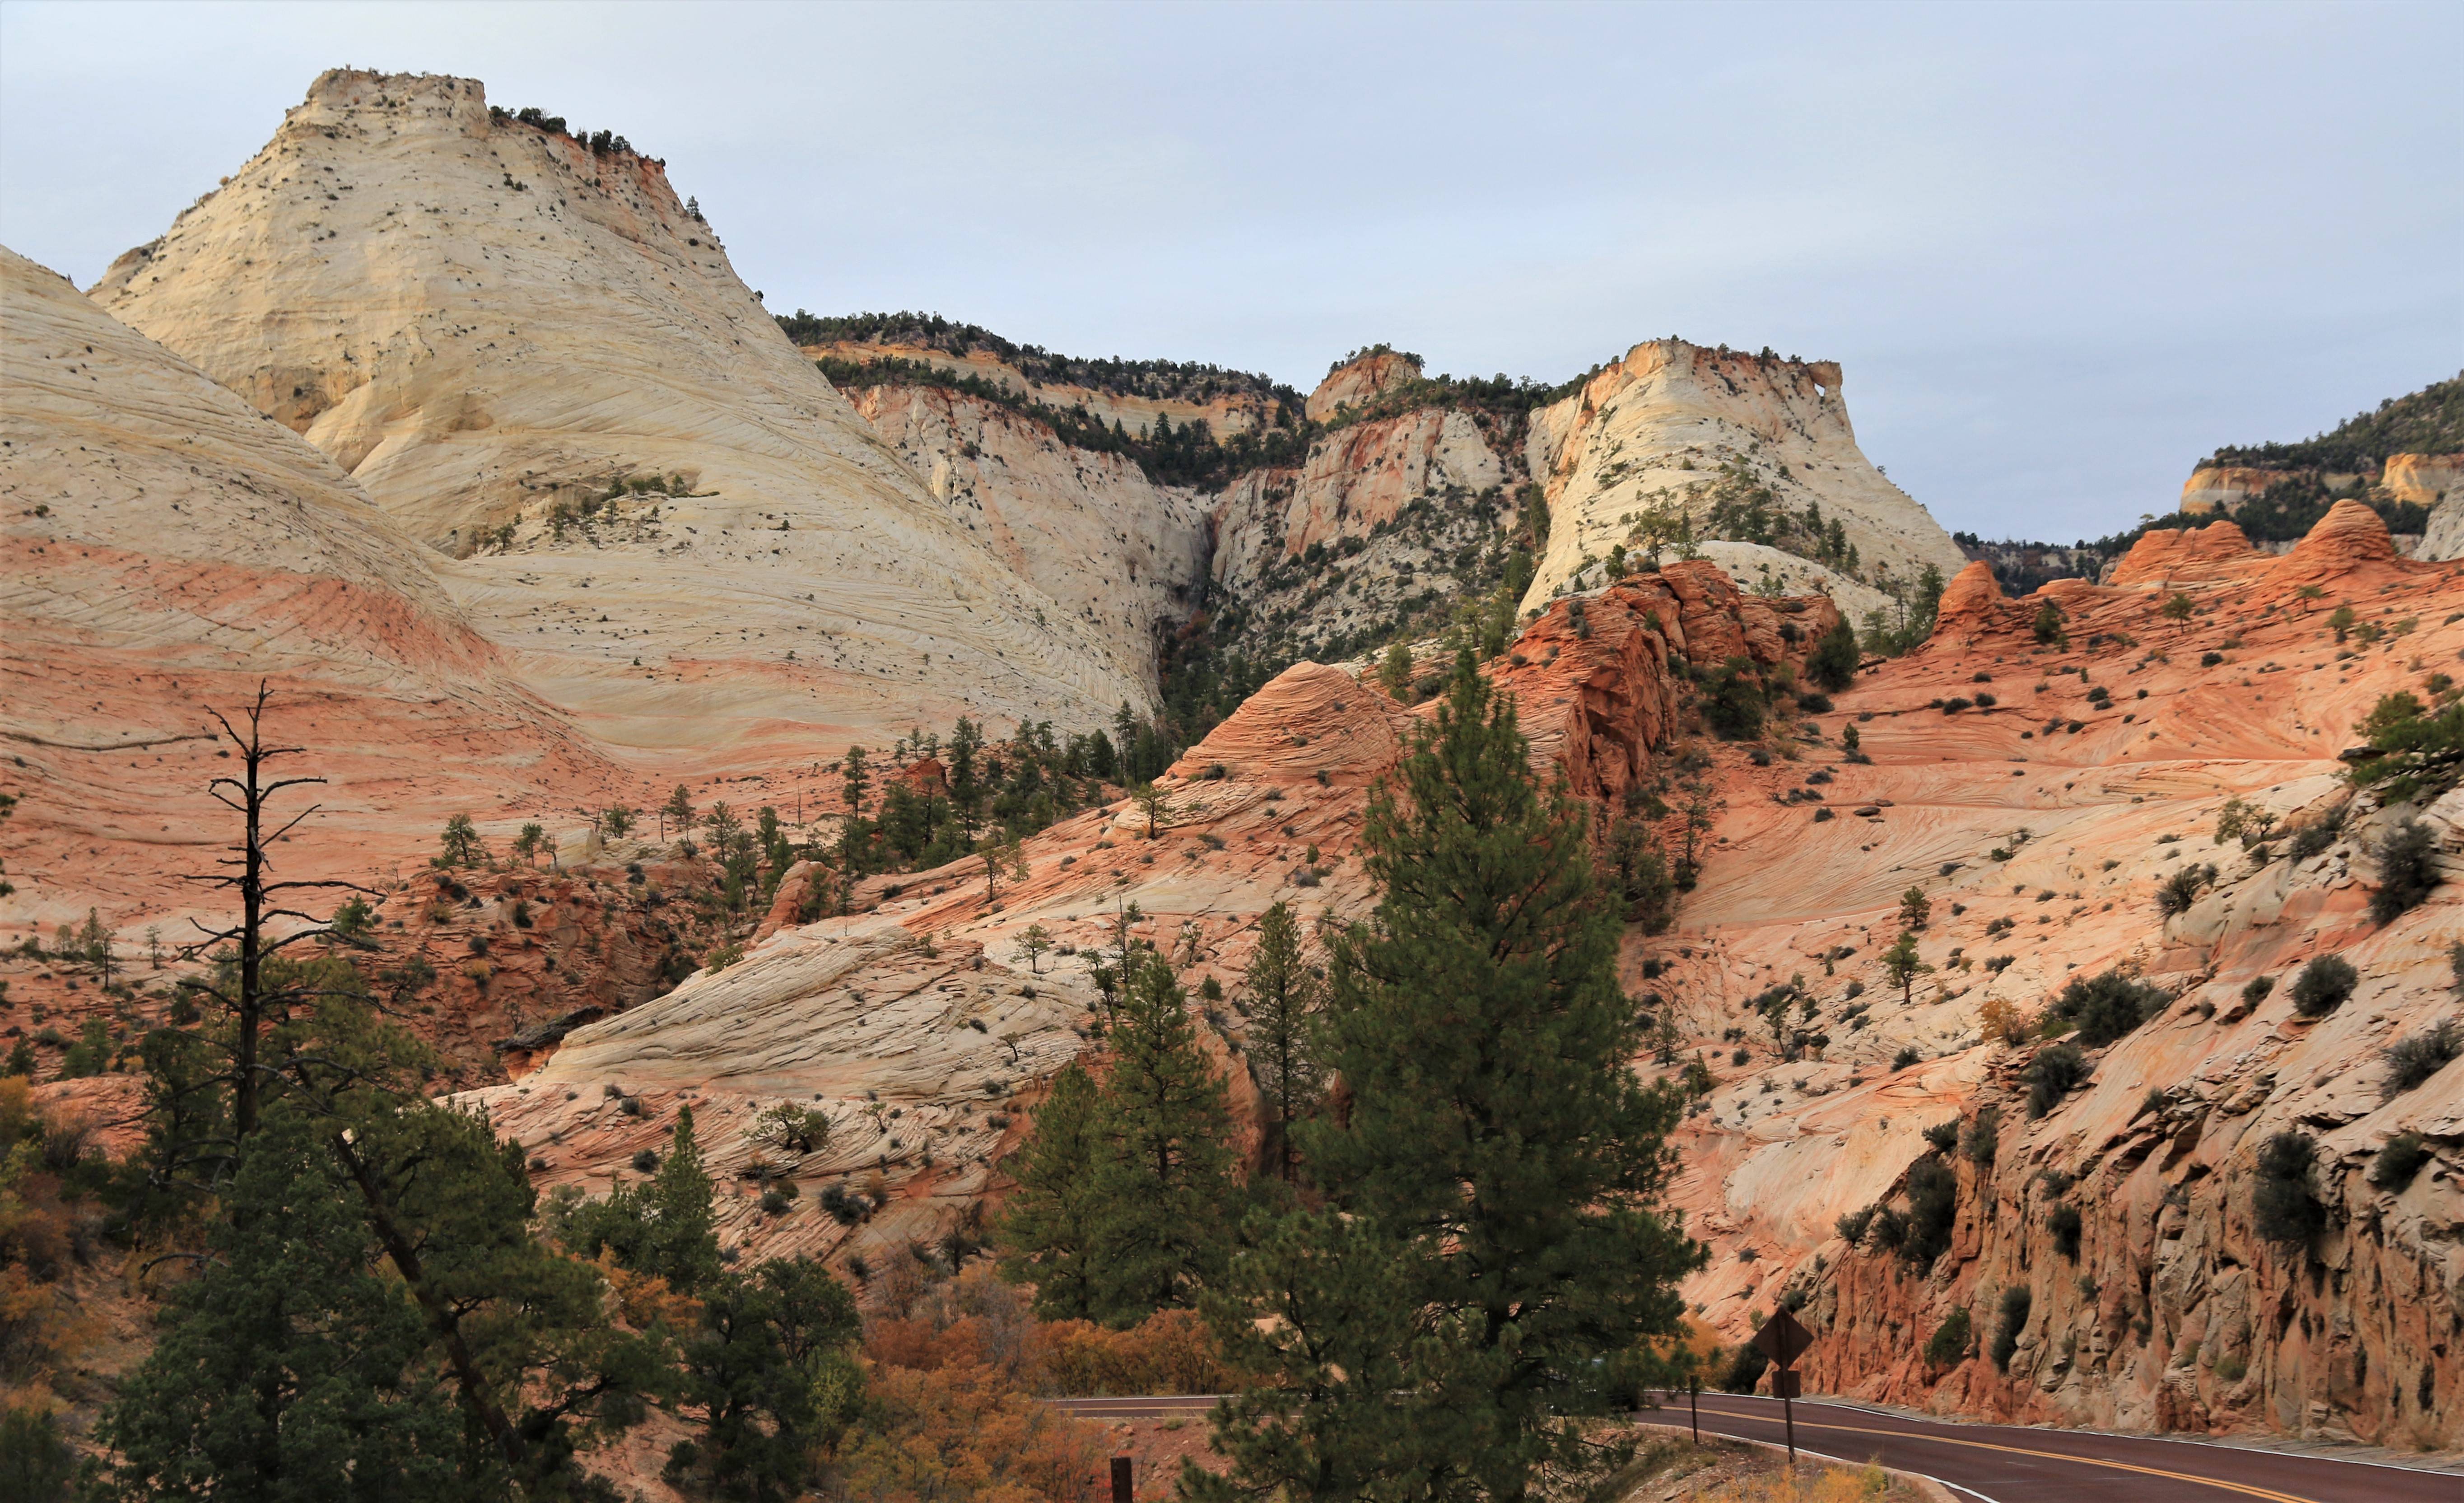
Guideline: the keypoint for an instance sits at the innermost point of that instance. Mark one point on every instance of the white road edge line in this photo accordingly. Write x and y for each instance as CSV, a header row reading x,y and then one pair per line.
x,y
1808,1450
2205,1442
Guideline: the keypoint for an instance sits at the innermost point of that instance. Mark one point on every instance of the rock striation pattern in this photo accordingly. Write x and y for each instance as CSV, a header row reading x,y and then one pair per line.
x,y
1124,556
168,549
538,361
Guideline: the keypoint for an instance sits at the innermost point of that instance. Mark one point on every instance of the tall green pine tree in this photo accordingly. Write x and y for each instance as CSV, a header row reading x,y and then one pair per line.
x,y
1164,1181
1048,1231
1498,1158
1283,1001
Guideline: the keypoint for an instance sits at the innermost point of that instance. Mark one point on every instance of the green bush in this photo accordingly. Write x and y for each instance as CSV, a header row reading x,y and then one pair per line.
x,y
2408,859
2064,1222
1949,1345
2398,1160
1982,1138
1745,1369
1833,663
1852,1226
1733,702
2414,1059
2017,1302
2254,990
1942,1137
2324,985
2284,1207
2057,1071
2107,1007
2177,892
1933,1205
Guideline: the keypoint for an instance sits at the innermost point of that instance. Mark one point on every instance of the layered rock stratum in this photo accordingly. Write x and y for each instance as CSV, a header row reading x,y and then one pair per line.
x,y
168,550
538,361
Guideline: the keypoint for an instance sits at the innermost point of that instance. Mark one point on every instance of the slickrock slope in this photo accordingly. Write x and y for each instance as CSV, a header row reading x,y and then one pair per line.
x,y
1089,530
496,329
927,1036
1650,429
2040,829
167,548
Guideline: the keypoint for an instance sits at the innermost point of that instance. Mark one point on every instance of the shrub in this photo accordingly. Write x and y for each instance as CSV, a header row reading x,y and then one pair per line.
x,y
2408,858
1942,1137
2284,1208
2209,659
645,1162
1734,705
1949,1345
2254,990
2398,1161
1745,1369
1833,662
2178,891
2064,1222
1852,1227
2106,1007
1933,1204
1985,701
2414,1059
844,1208
1982,1138
2311,839
1904,1058
2322,985
2057,1071
2017,1302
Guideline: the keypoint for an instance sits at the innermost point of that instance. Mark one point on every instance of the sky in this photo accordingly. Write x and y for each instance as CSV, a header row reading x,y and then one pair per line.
x,y
2061,252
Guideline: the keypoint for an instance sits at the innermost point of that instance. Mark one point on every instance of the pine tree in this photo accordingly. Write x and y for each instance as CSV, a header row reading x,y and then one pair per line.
x,y
1283,1000
293,1368
1498,1156
1048,1231
1902,965
1163,1179
771,1372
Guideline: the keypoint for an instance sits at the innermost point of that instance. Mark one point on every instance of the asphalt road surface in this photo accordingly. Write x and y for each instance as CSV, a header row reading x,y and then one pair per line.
x,y
1998,1462
2009,1464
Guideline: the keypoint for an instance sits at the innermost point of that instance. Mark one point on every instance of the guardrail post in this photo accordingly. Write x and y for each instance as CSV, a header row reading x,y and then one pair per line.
x,y
1121,1479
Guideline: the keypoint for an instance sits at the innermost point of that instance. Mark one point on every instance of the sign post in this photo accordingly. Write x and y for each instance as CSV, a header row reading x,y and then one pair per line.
x,y
1121,1489
1783,1339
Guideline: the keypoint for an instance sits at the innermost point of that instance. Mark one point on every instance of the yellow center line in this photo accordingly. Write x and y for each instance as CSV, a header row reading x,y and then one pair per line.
x,y
2245,1488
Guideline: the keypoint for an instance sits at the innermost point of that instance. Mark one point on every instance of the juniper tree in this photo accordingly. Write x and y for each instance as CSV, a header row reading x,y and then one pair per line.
x,y
1493,1234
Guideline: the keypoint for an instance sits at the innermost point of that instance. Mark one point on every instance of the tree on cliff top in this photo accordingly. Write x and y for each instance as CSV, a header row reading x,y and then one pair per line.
x,y
1491,1233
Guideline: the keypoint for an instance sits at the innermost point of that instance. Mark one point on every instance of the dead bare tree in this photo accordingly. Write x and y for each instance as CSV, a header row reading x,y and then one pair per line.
x,y
242,990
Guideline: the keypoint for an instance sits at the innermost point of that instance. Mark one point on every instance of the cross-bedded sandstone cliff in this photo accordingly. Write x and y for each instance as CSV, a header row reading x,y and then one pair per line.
x,y
498,329
167,548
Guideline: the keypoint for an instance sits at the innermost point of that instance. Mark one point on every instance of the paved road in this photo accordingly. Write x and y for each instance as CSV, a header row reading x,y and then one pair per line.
x,y
1998,1462
2010,1463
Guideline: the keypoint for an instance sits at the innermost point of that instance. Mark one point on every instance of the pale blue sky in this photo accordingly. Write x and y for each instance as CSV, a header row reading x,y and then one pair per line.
x,y
2061,252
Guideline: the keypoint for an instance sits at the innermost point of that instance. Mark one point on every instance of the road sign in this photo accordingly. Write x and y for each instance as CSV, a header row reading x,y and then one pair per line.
x,y
1786,1385
1783,1339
